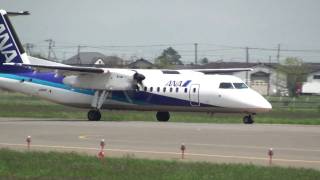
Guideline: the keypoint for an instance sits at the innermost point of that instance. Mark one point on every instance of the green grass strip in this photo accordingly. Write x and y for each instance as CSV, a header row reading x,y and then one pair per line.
x,y
54,165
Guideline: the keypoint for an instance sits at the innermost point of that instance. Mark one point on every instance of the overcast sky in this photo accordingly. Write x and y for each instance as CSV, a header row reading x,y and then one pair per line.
x,y
216,25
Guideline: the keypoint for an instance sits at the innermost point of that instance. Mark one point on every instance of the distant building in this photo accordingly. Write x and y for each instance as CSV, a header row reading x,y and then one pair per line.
x,y
94,59
141,64
312,85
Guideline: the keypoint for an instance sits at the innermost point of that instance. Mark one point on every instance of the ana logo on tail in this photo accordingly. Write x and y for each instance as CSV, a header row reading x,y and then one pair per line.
x,y
5,45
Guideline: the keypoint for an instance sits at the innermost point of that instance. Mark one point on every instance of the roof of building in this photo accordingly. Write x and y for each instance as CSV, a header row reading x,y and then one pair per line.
x,y
222,65
85,58
314,67
90,58
139,62
219,65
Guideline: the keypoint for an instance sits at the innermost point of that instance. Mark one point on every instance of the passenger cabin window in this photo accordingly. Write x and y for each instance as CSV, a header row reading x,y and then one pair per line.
x,y
185,90
145,88
164,89
151,89
225,85
170,89
194,90
177,89
240,85
158,89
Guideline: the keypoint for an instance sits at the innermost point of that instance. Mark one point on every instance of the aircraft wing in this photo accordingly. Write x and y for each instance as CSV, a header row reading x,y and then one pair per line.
x,y
222,71
92,77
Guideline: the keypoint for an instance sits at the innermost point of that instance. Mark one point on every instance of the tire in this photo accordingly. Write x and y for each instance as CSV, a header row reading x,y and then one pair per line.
x,y
248,120
94,115
163,116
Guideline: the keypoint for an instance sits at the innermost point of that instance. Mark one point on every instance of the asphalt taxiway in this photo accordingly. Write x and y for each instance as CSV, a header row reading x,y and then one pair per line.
x,y
293,145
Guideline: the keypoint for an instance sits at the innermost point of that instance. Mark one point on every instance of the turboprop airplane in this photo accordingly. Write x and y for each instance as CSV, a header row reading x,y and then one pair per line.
x,y
193,90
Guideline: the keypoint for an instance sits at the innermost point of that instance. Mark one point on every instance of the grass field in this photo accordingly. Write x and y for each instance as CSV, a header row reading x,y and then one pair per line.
x,y
40,165
18,105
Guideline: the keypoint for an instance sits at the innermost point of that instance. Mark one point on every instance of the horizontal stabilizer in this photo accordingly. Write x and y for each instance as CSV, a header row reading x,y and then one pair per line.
x,y
18,13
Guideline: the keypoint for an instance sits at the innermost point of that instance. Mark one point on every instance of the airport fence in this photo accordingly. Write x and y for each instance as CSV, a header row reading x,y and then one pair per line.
x,y
300,102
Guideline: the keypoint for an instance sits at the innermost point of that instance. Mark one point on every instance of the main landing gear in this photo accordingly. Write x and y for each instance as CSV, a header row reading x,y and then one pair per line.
x,y
94,115
248,119
163,116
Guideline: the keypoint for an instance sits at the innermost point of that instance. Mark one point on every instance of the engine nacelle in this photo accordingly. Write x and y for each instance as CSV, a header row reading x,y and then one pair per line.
x,y
113,81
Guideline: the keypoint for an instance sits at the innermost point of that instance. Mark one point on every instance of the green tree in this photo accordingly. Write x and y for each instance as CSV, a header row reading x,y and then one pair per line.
x,y
168,58
296,72
204,60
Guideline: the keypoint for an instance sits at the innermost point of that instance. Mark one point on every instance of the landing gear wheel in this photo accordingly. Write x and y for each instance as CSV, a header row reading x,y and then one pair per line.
x,y
248,120
94,115
163,116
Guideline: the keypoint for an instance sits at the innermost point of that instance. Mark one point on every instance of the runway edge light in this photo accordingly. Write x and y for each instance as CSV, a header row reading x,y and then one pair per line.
x,y
270,154
183,149
28,140
101,152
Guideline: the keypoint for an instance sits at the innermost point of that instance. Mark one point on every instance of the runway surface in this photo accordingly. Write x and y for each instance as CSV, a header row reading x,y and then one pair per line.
x,y
294,145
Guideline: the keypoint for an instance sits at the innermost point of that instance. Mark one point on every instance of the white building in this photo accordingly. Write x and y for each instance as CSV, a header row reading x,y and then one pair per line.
x,y
312,86
265,79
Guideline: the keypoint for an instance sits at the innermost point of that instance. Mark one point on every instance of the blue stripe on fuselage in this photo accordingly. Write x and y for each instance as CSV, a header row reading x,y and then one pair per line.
x,y
46,79
134,97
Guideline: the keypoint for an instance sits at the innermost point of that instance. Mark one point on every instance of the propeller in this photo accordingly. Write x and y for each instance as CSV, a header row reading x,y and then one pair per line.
x,y
139,78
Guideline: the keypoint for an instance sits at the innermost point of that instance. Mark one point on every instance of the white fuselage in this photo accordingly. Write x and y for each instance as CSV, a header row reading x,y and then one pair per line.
x,y
186,91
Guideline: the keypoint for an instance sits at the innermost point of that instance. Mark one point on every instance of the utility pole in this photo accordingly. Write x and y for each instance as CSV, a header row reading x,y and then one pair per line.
x,y
269,60
51,44
78,55
277,73
247,62
196,53
29,46
269,81
278,54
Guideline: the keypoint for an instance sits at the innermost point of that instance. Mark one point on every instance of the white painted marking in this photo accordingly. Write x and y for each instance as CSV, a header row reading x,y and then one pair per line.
x,y
88,137
165,152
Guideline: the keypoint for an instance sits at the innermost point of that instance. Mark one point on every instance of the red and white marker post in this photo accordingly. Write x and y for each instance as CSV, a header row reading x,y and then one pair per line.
x,y
101,152
270,154
28,140
183,149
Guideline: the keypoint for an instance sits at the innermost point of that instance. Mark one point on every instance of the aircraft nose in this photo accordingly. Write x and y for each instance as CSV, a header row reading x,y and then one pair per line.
x,y
260,103
256,102
264,105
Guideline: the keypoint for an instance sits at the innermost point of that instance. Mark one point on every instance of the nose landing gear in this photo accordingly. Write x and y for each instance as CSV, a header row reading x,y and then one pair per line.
x,y
163,116
248,119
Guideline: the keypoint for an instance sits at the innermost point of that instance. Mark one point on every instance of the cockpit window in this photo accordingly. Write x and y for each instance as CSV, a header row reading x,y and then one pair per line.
x,y
225,85
240,85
